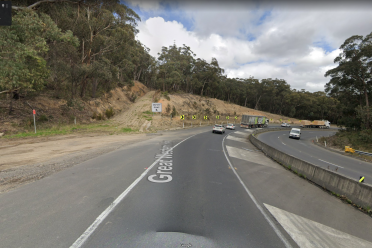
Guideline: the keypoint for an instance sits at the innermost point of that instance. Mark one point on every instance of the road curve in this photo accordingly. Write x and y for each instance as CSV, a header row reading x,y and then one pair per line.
x,y
199,203
304,149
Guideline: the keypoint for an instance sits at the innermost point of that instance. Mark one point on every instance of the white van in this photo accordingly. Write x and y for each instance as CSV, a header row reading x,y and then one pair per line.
x,y
295,133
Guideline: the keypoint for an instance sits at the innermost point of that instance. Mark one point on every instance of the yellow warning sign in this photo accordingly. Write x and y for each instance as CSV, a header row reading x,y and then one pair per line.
x,y
194,117
205,117
227,117
217,117
182,117
236,117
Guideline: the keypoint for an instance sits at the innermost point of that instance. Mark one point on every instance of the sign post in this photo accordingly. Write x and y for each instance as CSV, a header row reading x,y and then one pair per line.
x,y
34,113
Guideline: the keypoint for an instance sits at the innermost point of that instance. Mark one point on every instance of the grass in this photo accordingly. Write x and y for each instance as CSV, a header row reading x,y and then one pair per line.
x,y
64,129
147,112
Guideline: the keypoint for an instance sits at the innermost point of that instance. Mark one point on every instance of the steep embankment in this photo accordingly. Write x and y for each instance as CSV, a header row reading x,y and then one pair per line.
x,y
138,116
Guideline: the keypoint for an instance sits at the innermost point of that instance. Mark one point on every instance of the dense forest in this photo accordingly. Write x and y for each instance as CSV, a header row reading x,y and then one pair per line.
x,y
82,49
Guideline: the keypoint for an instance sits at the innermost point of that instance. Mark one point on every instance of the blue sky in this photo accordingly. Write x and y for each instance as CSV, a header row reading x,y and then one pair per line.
x,y
261,39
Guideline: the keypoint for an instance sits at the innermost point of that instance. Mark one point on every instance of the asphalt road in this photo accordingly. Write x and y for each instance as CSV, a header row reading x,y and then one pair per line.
x,y
305,150
211,190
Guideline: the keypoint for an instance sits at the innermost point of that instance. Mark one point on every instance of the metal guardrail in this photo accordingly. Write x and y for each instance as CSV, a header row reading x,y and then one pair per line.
x,y
364,153
349,149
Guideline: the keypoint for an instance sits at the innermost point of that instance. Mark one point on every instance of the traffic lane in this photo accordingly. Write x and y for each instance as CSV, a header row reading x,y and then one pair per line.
x,y
55,210
271,184
203,205
303,149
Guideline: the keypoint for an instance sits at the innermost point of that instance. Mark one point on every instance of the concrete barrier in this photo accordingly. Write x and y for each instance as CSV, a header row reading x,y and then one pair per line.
x,y
358,193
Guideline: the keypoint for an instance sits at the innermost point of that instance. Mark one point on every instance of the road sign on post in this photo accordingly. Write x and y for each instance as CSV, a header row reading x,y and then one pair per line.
x,y
34,113
156,107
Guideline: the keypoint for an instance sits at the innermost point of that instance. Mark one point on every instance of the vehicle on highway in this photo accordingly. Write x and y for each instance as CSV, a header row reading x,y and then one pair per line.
x,y
295,133
230,126
254,121
285,125
316,124
218,129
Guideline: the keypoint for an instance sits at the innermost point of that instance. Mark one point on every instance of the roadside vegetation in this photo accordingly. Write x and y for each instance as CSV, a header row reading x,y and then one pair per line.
x,y
102,128
81,50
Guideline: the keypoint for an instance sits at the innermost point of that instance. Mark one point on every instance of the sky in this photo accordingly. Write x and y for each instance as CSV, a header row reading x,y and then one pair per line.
x,y
292,40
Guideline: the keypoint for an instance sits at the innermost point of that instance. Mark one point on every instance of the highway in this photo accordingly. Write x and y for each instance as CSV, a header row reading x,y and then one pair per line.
x,y
184,188
305,150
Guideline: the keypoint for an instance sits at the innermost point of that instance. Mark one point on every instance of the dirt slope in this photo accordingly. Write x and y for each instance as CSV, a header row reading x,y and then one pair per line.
x,y
138,116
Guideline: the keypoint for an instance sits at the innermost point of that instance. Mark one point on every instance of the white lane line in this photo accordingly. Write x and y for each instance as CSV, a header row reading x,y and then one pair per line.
x,y
88,232
277,231
330,163
283,144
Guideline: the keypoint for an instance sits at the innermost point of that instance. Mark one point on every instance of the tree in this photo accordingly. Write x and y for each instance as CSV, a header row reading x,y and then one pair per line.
x,y
354,69
23,48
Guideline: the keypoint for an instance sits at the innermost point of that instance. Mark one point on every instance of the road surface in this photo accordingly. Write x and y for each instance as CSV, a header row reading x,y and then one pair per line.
x,y
211,190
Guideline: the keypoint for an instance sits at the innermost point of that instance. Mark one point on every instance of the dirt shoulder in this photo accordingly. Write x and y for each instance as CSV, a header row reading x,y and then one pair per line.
x,y
28,160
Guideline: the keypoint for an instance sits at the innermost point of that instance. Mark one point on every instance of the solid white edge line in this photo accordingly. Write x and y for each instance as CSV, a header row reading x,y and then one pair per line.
x,y
330,163
277,231
84,237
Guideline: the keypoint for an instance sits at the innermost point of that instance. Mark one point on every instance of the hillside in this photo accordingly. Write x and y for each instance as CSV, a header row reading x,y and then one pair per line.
x,y
131,108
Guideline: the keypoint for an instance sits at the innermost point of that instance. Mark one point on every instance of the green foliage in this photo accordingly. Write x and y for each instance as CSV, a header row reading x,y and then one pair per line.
x,y
168,109
126,130
147,112
42,118
174,111
166,95
109,113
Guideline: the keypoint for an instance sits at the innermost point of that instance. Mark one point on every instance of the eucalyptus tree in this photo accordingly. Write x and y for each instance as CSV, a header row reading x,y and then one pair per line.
x,y
353,72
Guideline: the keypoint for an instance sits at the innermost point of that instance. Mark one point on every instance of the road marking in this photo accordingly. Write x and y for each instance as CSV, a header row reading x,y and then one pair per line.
x,y
276,230
241,133
84,237
283,144
250,156
308,234
230,137
330,163
250,150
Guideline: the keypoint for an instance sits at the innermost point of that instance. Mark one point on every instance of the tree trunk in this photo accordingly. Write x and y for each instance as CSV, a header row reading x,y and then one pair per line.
x,y
245,104
257,103
201,94
11,103
94,87
367,105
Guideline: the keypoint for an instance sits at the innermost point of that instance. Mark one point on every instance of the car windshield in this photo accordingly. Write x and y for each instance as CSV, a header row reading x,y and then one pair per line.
x,y
217,125
295,131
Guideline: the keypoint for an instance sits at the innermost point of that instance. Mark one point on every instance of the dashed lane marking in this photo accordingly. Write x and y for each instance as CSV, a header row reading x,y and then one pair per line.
x,y
310,234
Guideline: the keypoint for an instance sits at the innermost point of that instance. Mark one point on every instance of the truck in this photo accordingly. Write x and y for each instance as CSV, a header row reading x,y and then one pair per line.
x,y
316,124
254,121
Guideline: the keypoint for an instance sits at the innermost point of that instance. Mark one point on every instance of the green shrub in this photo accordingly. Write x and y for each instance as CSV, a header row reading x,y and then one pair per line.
x,y
126,129
42,118
168,109
166,96
109,113
174,111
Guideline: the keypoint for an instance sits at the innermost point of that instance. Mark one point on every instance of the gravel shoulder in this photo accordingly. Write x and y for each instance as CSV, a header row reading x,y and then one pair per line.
x,y
27,160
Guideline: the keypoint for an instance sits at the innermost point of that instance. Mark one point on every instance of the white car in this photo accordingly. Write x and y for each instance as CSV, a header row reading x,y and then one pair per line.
x,y
285,125
218,129
295,133
230,126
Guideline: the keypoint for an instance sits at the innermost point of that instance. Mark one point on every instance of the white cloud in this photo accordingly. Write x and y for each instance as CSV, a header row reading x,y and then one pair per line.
x,y
285,44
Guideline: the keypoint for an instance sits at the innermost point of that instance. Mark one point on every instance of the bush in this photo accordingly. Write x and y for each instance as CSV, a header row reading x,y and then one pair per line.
x,y
166,96
174,111
42,118
109,113
168,109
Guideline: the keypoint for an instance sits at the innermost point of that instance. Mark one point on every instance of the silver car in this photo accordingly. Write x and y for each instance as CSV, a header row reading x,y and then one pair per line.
x,y
230,126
